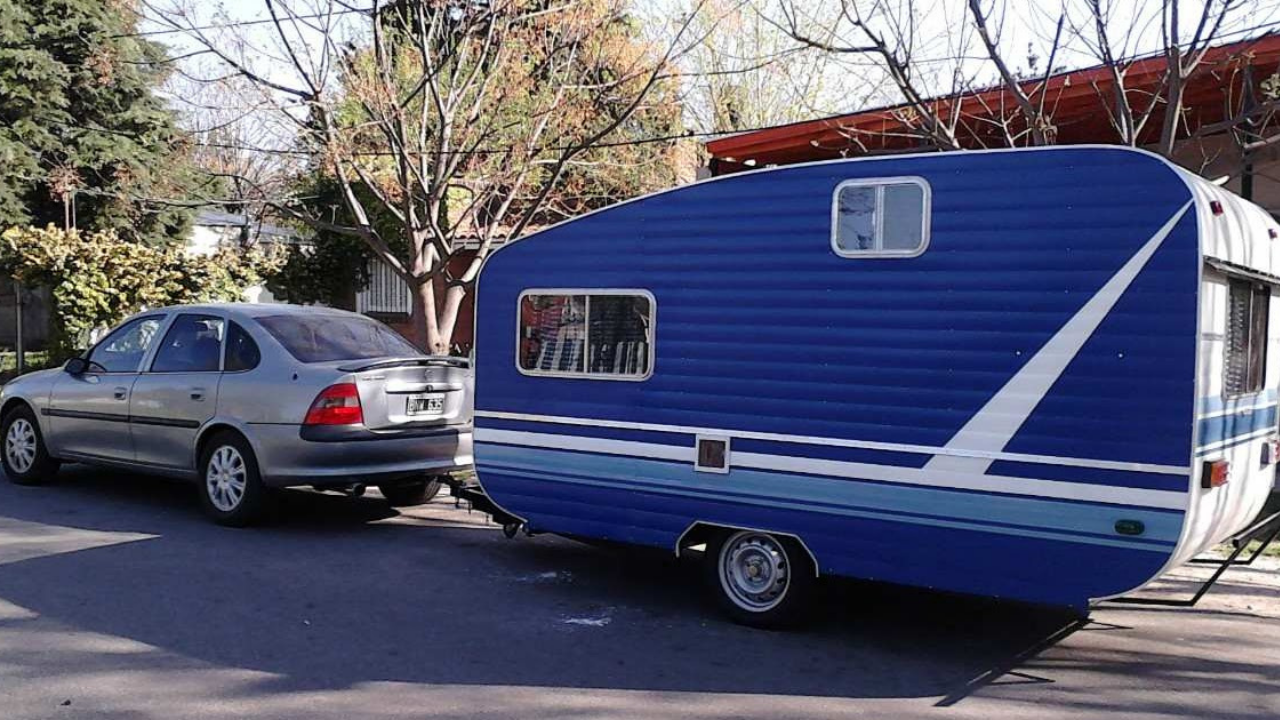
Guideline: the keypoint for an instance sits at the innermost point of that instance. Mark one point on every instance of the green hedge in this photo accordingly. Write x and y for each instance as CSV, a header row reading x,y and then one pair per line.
x,y
97,279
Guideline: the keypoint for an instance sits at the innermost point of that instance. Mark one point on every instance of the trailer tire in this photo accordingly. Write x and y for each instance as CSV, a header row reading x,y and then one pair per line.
x,y
760,579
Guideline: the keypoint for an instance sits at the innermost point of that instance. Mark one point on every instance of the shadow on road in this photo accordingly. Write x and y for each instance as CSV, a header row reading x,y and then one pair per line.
x,y
342,591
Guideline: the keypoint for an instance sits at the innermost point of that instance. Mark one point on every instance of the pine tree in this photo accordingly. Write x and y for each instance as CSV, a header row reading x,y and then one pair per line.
x,y
79,114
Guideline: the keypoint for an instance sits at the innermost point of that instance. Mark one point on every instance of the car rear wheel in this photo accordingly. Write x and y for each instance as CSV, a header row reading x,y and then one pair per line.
x,y
231,489
412,493
760,579
25,458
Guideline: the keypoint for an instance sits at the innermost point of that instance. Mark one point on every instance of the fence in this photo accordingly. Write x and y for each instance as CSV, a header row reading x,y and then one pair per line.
x,y
386,294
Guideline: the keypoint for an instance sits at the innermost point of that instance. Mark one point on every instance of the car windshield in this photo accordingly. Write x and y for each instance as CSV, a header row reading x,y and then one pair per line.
x,y
323,338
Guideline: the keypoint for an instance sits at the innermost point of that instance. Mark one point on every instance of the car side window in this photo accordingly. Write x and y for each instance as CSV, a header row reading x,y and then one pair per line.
x,y
122,350
193,344
242,351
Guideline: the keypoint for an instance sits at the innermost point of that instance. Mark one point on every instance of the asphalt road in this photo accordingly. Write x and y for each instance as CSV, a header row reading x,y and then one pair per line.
x,y
119,601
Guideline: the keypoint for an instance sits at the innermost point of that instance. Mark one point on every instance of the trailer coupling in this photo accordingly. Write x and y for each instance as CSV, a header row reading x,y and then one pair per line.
x,y
475,496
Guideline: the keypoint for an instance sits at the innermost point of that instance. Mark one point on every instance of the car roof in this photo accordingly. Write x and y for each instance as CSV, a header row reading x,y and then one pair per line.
x,y
256,310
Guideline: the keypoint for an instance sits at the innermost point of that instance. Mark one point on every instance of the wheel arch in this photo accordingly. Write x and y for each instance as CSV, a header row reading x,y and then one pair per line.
x,y
212,428
701,531
12,402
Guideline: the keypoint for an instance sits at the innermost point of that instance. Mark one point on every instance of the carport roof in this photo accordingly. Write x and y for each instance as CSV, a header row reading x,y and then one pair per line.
x,y
1077,98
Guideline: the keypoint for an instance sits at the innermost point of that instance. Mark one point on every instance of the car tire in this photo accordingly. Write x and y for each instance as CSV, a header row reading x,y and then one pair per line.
x,y
760,579
25,458
418,492
231,488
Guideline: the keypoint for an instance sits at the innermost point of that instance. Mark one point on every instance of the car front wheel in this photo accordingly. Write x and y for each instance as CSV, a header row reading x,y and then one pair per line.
x,y
26,459
231,489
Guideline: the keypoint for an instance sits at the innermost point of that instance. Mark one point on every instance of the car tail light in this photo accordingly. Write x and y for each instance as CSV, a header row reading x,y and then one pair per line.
x,y
1215,473
336,405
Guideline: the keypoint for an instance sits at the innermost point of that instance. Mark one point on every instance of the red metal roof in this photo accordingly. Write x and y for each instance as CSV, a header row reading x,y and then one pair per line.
x,y
1075,98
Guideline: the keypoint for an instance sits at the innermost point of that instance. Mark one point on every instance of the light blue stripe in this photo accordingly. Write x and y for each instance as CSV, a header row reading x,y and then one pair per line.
x,y
1218,403
970,510
1236,424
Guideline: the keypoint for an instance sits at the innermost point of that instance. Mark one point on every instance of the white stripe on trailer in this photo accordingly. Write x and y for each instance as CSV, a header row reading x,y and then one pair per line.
x,y
838,442
991,428
944,479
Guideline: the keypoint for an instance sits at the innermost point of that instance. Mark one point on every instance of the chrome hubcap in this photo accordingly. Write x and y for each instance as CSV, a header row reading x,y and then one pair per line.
x,y
20,445
225,479
754,571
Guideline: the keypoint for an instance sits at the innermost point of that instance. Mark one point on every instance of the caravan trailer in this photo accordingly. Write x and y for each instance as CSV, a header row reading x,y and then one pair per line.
x,y
1045,374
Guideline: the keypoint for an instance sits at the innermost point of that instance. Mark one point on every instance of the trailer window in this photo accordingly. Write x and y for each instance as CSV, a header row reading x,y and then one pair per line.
x,y
1246,361
590,334
887,217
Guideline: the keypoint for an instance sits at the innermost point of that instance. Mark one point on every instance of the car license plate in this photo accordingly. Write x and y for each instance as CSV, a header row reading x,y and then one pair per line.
x,y
424,405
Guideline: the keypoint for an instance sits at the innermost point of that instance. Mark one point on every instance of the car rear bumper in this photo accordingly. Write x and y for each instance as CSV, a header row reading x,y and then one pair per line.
x,y
290,455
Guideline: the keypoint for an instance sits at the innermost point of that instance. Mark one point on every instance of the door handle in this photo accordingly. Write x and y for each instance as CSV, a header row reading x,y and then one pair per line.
x,y
120,393
197,394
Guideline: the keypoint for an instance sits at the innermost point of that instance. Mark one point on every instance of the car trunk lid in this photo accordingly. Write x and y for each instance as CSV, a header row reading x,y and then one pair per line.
x,y
401,393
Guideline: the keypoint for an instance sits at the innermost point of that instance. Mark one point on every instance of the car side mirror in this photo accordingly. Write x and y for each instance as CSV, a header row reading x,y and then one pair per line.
x,y
76,366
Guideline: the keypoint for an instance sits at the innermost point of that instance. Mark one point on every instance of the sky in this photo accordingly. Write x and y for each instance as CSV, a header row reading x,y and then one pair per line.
x,y
1025,31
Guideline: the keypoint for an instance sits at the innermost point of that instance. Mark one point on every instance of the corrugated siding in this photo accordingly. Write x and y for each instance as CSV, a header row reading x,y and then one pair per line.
x,y
761,327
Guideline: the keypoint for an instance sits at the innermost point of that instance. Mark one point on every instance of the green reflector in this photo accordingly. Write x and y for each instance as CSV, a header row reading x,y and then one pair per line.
x,y
1130,527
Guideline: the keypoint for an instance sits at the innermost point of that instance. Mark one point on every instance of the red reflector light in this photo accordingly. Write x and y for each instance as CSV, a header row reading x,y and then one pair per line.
x,y
1214,473
1271,233
1216,207
336,405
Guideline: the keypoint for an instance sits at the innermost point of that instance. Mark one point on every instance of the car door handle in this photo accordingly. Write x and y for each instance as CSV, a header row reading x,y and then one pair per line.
x,y
197,394
120,393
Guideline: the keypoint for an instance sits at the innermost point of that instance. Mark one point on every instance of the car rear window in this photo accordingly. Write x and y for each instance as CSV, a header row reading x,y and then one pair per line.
x,y
323,338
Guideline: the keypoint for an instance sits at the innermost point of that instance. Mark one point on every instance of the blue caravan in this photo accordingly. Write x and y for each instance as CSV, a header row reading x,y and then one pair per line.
x,y
1036,374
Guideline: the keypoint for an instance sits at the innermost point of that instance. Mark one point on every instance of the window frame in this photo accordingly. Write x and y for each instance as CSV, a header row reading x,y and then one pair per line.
x,y
173,322
146,355
879,184
226,347
1249,388
586,336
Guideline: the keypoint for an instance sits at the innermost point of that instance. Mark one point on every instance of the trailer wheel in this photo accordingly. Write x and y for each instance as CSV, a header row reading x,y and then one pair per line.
x,y
759,579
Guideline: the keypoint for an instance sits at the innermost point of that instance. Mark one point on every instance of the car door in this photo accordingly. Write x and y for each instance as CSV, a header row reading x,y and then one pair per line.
x,y
89,413
178,392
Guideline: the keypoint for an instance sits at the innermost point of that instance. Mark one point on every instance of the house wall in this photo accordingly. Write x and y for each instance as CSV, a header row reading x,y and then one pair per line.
x,y
207,239
463,331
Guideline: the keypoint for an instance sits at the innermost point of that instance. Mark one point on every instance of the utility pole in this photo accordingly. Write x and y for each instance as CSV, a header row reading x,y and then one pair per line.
x,y
19,345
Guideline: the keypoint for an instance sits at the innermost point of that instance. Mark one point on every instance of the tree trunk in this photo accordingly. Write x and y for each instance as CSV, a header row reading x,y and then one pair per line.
x,y
431,322
422,315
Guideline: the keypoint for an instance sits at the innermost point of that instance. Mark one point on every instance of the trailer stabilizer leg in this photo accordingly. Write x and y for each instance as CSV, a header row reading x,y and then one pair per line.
x,y
1265,530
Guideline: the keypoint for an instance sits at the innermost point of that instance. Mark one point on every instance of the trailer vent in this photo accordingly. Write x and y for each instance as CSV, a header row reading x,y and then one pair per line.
x,y
713,454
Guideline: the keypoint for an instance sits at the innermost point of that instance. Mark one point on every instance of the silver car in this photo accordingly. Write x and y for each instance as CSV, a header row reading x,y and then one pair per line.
x,y
245,399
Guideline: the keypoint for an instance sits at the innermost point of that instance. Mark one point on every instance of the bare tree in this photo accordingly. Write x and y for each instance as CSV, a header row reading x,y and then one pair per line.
x,y
231,139
456,119
933,55
744,73
1109,30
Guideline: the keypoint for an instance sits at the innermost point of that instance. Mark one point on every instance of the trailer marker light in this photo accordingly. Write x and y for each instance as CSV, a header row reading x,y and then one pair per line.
x,y
1271,233
1214,473
1130,527
1216,207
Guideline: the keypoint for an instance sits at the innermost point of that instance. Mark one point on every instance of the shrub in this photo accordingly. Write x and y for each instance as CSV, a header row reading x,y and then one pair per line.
x,y
97,279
